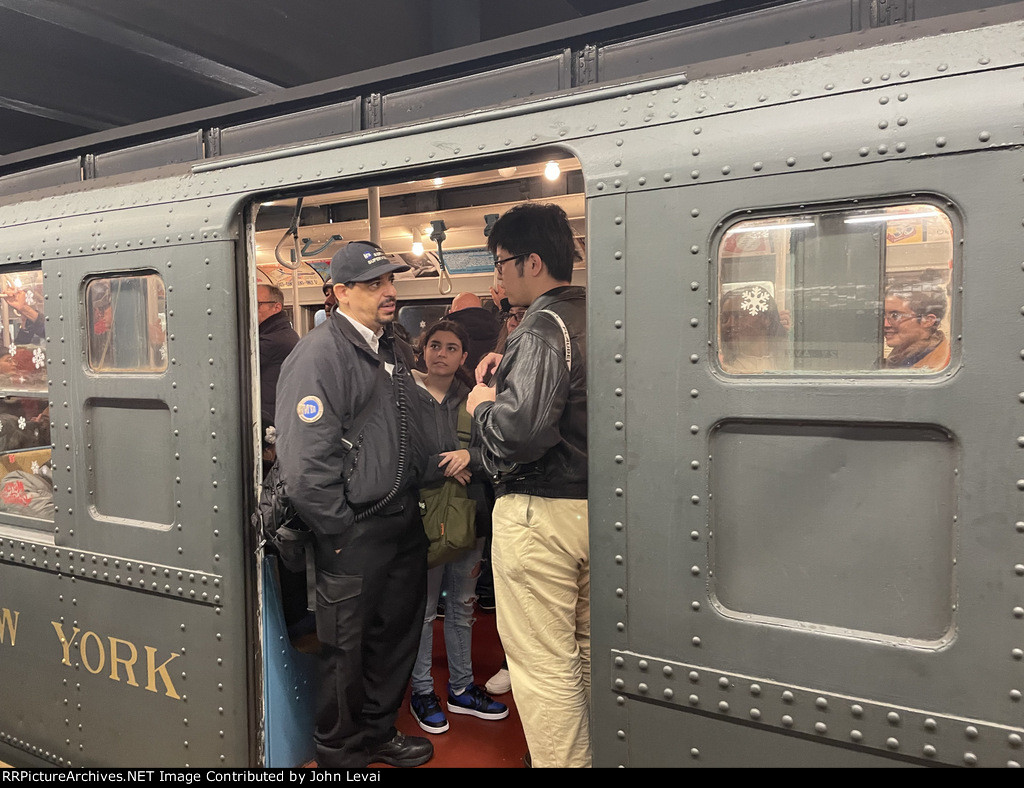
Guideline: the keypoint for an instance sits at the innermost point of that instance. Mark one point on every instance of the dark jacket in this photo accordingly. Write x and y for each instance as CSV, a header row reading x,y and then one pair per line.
x,y
277,339
538,421
329,378
441,420
482,327
441,427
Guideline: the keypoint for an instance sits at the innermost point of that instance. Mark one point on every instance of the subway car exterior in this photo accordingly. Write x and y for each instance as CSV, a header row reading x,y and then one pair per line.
x,y
814,559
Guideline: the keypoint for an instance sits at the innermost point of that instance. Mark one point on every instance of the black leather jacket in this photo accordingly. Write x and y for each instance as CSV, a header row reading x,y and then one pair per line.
x,y
534,434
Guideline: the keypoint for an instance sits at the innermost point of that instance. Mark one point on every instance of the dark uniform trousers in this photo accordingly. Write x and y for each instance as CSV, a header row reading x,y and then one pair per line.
x,y
370,599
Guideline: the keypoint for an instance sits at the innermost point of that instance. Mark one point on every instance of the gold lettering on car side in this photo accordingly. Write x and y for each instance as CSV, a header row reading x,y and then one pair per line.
x,y
128,663
152,670
94,650
8,623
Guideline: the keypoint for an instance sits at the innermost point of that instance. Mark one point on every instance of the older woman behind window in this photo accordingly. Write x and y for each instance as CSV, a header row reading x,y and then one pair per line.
x,y
911,323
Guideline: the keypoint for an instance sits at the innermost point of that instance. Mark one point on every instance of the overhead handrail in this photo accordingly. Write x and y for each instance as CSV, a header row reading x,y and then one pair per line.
x,y
307,252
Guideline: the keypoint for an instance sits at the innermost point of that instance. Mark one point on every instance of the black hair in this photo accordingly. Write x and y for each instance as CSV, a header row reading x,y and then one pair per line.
x,y
446,325
463,374
537,228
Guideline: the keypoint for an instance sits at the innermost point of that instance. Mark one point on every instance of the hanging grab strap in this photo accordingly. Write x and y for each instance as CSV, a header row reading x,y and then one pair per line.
x,y
444,284
293,230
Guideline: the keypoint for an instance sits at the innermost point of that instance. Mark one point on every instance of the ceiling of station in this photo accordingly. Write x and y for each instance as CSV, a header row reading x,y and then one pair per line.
x,y
75,67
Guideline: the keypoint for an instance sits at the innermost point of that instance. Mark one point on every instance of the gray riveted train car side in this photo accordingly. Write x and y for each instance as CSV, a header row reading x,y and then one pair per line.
x,y
807,524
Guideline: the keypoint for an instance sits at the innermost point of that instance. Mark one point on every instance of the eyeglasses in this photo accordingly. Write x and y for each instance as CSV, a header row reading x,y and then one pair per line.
x,y
499,263
264,303
898,317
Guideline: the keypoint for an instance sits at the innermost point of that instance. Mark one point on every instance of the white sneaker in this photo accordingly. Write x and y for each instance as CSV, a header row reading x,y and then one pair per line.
x,y
499,683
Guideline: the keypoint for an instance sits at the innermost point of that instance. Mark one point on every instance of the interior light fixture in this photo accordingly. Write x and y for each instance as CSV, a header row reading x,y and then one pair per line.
x,y
439,181
417,248
767,227
890,217
506,172
552,170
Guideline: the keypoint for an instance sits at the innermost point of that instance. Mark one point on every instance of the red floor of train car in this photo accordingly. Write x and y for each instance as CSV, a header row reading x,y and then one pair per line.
x,y
471,742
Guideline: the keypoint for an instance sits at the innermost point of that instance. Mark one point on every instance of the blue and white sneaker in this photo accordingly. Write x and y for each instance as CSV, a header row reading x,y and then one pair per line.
x,y
426,709
477,703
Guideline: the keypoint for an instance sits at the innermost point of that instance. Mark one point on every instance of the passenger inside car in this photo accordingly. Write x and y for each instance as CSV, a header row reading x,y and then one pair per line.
x,y
753,336
911,324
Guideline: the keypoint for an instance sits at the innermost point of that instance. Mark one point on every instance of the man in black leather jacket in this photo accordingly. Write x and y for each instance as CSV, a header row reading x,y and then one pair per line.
x,y
533,429
361,503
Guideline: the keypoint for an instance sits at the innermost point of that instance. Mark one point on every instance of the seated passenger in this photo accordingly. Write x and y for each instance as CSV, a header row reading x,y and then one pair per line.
x,y
23,367
911,324
753,336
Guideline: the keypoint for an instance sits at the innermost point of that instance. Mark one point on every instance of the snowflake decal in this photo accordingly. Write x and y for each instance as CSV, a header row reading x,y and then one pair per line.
x,y
30,297
35,467
12,349
755,300
39,358
22,423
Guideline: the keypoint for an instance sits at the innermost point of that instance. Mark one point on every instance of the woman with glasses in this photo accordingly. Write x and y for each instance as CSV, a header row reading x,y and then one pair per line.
x,y
911,324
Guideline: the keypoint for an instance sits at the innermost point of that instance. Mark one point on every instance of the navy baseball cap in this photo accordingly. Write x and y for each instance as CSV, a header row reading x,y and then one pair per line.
x,y
362,261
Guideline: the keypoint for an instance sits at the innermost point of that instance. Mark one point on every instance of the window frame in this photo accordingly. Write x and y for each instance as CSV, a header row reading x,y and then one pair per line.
x,y
87,323
796,212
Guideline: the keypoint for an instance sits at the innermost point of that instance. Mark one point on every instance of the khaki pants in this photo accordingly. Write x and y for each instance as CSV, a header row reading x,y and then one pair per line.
x,y
541,559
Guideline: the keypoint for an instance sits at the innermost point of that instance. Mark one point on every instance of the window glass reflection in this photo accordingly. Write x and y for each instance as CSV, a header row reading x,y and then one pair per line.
x,y
127,324
26,484
856,290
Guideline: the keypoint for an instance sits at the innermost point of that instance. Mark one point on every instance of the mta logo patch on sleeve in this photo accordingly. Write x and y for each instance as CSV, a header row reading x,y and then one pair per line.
x,y
310,409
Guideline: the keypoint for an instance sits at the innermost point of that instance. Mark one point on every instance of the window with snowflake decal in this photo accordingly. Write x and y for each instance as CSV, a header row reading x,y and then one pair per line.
x,y
26,488
127,323
854,290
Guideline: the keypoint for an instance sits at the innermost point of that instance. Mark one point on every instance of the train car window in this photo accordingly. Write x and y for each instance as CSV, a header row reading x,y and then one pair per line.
x,y
861,290
26,487
127,323
416,317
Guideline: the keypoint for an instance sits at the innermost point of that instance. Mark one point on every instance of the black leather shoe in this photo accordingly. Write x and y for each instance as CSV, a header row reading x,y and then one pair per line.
x,y
403,751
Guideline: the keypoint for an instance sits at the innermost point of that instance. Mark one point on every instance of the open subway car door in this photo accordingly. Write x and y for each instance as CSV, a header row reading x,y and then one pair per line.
x,y
806,537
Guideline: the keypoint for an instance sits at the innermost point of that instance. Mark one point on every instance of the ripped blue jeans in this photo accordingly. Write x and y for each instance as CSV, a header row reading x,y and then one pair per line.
x,y
458,581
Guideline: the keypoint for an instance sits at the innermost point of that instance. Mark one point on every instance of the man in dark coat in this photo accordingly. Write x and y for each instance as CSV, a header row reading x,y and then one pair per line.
x,y
277,338
347,451
532,426
481,325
